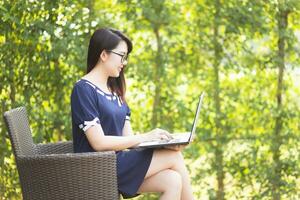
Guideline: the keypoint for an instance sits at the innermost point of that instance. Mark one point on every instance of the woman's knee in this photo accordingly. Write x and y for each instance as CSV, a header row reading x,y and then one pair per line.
x,y
174,181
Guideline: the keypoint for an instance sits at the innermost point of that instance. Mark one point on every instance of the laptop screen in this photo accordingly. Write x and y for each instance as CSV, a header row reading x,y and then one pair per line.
x,y
196,115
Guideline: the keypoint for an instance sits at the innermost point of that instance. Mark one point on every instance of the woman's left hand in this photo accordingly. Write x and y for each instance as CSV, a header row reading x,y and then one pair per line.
x,y
175,147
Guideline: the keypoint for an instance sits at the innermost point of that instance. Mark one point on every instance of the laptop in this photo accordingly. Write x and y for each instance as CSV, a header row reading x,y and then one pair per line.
x,y
179,138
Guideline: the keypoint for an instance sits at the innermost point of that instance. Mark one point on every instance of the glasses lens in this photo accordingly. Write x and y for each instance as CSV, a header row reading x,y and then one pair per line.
x,y
124,59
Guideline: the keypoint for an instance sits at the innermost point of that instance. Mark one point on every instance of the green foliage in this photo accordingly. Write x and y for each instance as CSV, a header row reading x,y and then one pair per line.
x,y
230,49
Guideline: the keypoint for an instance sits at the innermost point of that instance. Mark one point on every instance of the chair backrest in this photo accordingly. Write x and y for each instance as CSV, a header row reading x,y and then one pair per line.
x,y
19,131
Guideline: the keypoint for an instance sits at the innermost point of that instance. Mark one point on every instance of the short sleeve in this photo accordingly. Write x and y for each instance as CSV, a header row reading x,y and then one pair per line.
x,y
84,107
128,113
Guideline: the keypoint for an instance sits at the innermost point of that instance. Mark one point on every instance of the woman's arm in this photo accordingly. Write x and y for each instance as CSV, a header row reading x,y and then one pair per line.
x,y
101,142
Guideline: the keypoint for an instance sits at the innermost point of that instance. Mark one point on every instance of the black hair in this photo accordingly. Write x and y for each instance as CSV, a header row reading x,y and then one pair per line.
x,y
108,39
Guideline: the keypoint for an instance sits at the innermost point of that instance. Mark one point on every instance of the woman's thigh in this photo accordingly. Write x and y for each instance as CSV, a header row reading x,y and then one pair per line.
x,y
161,182
164,159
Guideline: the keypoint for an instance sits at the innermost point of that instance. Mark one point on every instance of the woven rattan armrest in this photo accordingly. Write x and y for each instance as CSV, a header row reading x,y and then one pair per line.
x,y
55,148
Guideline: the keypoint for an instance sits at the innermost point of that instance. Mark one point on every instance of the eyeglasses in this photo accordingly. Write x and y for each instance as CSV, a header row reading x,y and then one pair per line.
x,y
124,59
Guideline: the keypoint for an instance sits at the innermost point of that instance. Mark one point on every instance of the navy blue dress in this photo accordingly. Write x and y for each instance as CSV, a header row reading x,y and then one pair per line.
x,y
91,106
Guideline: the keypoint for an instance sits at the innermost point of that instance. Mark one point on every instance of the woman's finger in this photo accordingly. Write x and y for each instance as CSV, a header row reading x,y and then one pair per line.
x,y
164,137
166,133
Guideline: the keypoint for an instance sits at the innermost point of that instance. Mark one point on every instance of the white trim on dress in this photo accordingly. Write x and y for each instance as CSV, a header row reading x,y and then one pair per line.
x,y
108,97
87,124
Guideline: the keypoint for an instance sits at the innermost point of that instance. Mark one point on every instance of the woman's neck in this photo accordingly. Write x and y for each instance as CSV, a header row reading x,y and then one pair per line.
x,y
98,77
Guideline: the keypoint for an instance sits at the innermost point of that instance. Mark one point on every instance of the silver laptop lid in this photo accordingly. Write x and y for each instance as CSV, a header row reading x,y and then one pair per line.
x,y
196,116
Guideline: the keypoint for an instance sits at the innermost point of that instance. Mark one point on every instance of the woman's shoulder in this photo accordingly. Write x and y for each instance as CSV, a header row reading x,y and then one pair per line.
x,y
82,86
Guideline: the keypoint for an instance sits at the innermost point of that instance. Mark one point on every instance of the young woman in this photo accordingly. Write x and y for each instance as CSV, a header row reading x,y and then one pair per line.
x,y
101,122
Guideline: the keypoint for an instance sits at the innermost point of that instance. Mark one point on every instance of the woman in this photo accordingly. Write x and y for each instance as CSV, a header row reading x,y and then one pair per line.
x,y
100,115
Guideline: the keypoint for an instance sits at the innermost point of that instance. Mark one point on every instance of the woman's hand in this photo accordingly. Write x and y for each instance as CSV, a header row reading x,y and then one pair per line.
x,y
179,147
157,134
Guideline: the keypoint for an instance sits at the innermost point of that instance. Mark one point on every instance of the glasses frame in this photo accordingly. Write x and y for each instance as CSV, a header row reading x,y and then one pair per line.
x,y
124,57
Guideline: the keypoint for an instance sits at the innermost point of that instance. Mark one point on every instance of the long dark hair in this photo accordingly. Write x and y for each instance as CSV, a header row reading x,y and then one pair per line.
x,y
108,39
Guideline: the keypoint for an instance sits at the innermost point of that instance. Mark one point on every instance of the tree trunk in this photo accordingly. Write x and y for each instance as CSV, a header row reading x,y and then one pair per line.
x,y
91,16
157,80
282,21
218,149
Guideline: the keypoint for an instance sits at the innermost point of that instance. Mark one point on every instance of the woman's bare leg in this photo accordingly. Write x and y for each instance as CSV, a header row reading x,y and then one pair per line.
x,y
168,159
168,182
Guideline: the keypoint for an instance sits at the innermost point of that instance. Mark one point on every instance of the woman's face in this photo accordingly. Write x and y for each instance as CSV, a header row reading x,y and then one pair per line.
x,y
116,60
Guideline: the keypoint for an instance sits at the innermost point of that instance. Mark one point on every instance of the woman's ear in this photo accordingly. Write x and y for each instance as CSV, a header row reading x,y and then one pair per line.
x,y
103,56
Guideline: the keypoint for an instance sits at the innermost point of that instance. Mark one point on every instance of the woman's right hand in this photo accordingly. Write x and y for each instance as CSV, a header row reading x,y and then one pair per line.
x,y
157,134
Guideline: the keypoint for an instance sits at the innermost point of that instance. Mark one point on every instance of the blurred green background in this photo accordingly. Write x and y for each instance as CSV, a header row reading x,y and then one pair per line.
x,y
243,53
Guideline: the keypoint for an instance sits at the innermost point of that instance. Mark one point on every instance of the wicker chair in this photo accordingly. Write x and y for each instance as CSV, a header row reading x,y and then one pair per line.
x,y
53,171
